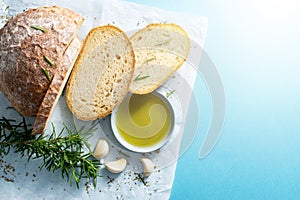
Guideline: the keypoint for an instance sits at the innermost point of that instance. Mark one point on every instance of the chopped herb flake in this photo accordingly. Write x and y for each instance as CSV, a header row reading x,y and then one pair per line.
x,y
140,178
39,28
164,42
138,78
170,93
48,60
46,74
148,60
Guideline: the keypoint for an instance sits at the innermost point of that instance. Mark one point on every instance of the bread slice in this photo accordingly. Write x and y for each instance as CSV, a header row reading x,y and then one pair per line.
x,y
160,49
102,73
25,49
57,85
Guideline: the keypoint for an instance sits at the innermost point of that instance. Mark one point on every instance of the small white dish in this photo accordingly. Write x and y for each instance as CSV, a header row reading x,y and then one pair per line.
x,y
155,146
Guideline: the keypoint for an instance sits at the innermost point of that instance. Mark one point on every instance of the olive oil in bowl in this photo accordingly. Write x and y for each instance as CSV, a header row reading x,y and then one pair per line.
x,y
143,123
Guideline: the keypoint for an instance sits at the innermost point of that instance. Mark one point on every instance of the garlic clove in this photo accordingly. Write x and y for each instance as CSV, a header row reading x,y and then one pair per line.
x,y
101,149
116,166
148,166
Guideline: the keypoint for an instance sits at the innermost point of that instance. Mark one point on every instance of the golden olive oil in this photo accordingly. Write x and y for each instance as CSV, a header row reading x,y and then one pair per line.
x,y
143,120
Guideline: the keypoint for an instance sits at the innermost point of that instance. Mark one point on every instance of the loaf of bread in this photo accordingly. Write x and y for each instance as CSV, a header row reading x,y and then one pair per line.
x,y
24,50
160,49
33,48
102,73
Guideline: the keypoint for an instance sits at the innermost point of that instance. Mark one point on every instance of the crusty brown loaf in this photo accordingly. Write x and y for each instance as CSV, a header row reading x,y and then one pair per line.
x,y
22,51
102,73
57,85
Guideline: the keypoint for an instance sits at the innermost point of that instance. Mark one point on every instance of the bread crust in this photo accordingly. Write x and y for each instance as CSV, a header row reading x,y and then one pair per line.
x,y
23,50
56,87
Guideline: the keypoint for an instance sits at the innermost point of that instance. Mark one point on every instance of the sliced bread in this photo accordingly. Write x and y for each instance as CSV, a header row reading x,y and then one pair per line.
x,y
160,49
57,85
102,73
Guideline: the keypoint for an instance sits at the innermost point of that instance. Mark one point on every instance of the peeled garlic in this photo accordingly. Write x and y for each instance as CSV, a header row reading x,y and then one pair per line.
x,y
116,166
148,166
101,149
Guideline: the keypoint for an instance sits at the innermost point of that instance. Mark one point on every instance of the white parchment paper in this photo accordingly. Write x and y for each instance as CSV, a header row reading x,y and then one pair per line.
x,y
31,183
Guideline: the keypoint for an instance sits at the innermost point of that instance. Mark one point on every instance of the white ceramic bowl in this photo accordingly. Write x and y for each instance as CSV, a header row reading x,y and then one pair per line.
x,y
154,147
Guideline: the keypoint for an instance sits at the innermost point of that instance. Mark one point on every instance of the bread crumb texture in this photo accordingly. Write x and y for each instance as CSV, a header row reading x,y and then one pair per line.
x,y
160,49
102,73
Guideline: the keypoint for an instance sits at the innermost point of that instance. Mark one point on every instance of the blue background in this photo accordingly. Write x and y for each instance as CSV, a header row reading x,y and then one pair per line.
x,y
255,47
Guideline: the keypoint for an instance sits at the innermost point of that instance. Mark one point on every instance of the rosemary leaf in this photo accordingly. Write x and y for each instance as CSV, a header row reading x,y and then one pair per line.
x,y
170,93
138,78
39,28
46,74
148,60
140,178
167,41
48,60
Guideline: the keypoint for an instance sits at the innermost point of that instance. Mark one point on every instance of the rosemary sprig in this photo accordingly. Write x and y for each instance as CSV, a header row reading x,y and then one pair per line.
x,y
139,77
46,74
48,60
64,151
39,28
